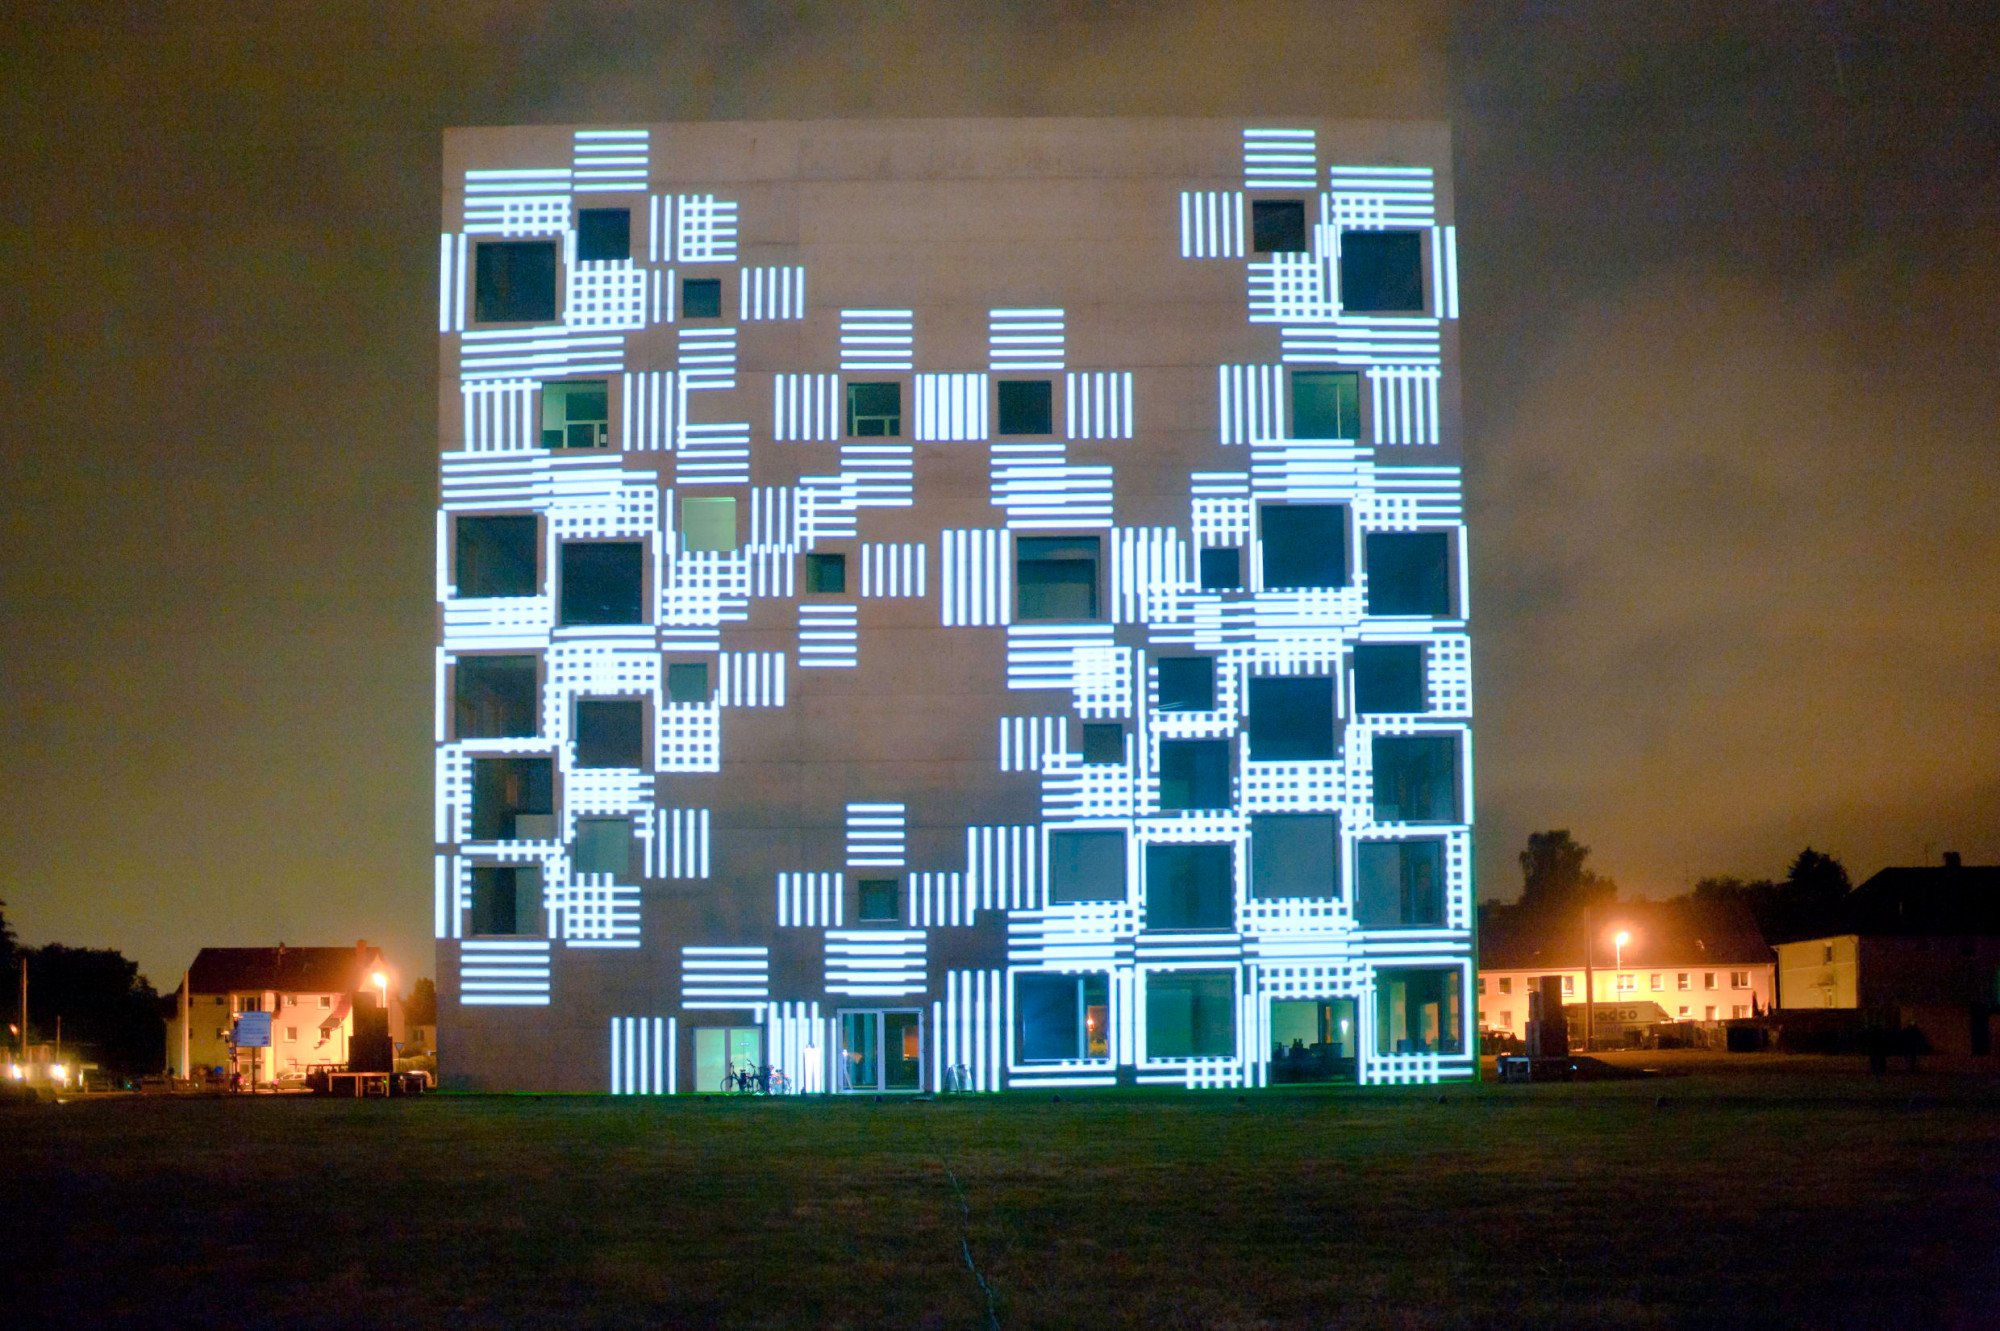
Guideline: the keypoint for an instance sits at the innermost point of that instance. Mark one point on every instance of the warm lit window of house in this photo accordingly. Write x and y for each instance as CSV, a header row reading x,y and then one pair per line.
x,y
1739,979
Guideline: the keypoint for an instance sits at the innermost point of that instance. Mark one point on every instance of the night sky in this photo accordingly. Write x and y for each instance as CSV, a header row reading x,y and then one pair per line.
x,y
1732,380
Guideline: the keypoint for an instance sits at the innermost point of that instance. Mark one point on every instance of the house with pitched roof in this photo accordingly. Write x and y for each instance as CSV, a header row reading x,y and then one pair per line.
x,y
316,999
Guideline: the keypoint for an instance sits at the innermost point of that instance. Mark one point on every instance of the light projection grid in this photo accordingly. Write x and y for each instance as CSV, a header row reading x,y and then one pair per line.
x,y
1252,754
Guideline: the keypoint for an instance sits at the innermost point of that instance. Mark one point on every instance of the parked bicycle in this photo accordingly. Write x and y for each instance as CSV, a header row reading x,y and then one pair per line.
x,y
747,1078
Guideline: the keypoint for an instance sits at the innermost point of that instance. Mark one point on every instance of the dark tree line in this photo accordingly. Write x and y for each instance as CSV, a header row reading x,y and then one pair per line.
x,y
110,1013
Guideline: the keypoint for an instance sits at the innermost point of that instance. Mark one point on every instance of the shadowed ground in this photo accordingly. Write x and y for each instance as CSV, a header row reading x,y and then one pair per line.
x,y
1762,1191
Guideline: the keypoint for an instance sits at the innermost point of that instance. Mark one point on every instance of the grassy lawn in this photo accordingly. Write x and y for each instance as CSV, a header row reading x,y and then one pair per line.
x,y
1762,1192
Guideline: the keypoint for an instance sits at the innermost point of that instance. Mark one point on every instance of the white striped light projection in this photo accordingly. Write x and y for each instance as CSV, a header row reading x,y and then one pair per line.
x,y
811,899
975,568
1025,339
829,637
875,834
610,160
772,293
725,977
1211,224
893,569
877,339
805,408
643,1058
503,972
704,229
684,843
1097,404
1280,159
875,963
951,407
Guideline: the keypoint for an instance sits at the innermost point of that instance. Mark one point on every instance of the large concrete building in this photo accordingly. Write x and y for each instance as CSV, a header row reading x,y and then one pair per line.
x,y
951,604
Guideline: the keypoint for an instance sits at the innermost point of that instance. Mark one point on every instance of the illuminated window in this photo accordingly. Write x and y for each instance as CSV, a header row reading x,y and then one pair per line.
x,y
1061,1017
1026,407
826,574
1190,1014
1399,884
1381,272
1086,865
1103,742
1627,983
1569,985
249,1003
1658,982
1291,720
1294,855
1278,226
701,298
1187,684
708,524
1682,1012
495,697
1194,774
1681,981
1304,545
687,681
1190,887
576,413
603,582
604,845
1055,577
722,1051
1416,778
1326,404
610,732
603,234
1738,1010
506,900
881,901
881,1051
875,410
1221,569
498,556
1409,573
513,799
1389,678
1506,1020
1739,979
514,281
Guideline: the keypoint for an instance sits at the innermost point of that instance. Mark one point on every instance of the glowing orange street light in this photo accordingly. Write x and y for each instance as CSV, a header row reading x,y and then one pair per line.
x,y
1618,941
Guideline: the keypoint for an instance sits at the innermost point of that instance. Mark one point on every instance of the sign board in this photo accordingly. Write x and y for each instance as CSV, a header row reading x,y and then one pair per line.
x,y
253,1030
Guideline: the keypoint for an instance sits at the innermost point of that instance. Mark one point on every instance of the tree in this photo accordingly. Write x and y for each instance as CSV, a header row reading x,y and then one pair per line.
x,y
421,1009
1554,879
109,1011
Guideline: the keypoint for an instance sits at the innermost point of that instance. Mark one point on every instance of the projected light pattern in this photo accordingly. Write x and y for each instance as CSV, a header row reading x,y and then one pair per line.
x,y
1113,747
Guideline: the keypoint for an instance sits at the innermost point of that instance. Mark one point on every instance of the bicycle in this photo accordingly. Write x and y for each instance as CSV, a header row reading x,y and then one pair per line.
x,y
749,1078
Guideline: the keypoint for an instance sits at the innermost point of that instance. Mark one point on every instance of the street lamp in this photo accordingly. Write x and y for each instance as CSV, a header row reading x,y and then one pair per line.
x,y
380,979
1618,941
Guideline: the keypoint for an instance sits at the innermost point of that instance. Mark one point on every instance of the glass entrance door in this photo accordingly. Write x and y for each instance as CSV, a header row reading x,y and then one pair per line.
x,y
881,1050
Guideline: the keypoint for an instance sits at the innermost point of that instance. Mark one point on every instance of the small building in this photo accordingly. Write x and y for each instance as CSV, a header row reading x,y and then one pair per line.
x,y
1691,961
311,994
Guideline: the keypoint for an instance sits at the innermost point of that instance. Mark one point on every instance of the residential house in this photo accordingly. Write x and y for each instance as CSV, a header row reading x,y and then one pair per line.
x,y
311,994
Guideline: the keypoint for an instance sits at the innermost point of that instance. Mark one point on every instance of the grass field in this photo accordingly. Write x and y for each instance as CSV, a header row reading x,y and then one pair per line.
x,y
1766,1192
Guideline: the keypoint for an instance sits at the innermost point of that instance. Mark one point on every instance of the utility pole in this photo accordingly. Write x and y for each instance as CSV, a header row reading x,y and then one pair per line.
x,y
24,1012
1589,989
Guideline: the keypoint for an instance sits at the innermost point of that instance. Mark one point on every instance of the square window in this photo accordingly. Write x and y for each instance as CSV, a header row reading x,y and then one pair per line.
x,y
1055,577
1569,985
610,732
514,281
1326,404
687,681
1187,684
875,410
1190,1014
1278,226
603,234
1061,1017
1506,984
708,524
1389,678
1103,742
1194,774
1657,982
1291,720
1416,778
325,1002
506,900
1381,272
291,1033
1304,545
604,845
1399,884
1221,569
576,413
1026,406
1294,855
1708,979
1086,866
1190,887
826,574
1739,979
495,697
1409,573
881,901
603,582
701,298
513,799
498,556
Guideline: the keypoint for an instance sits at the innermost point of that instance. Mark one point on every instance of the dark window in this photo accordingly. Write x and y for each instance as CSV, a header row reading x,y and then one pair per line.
x,y
1061,1017
1399,884
1026,406
1291,719
1055,577
1277,226
514,281
498,556
1417,1012
1326,404
495,697
1194,774
1190,1014
513,799
1409,573
1086,866
701,298
1388,678
687,681
1381,272
603,582
1294,855
576,413
603,233
1416,779
1305,545
604,845
506,899
610,732
1190,887
1221,569
881,901
1187,683
874,409
1103,742
826,574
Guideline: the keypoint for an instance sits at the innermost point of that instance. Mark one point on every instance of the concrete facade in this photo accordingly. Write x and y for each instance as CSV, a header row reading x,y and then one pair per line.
x,y
951,604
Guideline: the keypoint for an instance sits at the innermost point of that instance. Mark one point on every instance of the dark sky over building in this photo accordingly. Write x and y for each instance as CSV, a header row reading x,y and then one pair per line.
x,y
1730,277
